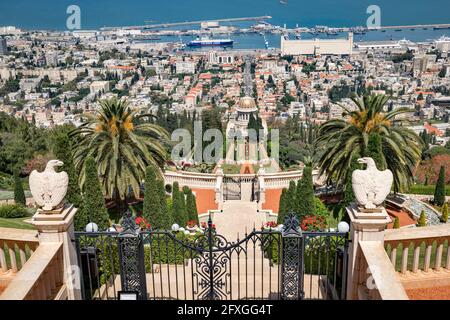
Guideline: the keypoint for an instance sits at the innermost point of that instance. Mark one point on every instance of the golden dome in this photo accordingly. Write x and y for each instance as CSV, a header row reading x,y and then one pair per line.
x,y
247,103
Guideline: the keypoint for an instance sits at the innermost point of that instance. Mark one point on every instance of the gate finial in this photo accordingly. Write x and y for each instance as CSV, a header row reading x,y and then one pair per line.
x,y
128,223
291,226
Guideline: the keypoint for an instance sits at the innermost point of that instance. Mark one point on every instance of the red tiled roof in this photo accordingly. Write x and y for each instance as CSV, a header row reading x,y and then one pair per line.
x,y
433,130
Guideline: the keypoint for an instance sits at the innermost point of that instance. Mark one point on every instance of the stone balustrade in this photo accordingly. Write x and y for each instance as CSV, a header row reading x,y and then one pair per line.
x,y
277,180
377,278
191,179
281,179
41,278
16,247
419,250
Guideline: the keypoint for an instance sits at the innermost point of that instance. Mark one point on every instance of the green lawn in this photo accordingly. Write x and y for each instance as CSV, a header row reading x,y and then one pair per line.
x,y
426,190
231,168
16,223
9,195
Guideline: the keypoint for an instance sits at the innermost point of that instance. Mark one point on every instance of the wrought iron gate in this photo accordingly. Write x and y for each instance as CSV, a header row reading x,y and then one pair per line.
x,y
232,188
265,264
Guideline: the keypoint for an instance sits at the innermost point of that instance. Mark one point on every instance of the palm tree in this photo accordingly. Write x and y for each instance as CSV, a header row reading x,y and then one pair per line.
x,y
341,140
123,144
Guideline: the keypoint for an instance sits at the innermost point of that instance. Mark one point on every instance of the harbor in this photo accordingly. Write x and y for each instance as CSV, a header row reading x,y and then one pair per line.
x,y
258,33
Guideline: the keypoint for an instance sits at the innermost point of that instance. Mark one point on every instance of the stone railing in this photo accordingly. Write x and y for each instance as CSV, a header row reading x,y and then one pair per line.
x,y
282,179
41,278
16,247
243,178
191,179
419,250
377,278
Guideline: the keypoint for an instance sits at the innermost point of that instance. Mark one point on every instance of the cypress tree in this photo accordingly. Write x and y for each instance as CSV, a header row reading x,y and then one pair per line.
x,y
152,203
178,205
422,220
439,192
290,198
62,150
184,215
444,217
282,207
166,219
305,197
191,206
375,151
19,194
94,202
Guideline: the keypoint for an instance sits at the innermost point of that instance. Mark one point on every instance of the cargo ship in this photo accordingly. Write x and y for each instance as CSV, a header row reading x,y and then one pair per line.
x,y
204,41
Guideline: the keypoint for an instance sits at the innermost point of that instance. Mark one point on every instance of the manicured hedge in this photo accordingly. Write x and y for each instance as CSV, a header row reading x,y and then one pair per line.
x,y
13,211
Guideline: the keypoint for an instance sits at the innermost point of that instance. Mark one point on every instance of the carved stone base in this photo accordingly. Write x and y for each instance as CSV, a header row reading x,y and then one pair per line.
x,y
57,220
374,210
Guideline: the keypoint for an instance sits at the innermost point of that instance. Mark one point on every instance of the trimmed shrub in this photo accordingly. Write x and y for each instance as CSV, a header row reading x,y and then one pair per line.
x,y
422,220
13,211
186,190
444,217
168,188
396,223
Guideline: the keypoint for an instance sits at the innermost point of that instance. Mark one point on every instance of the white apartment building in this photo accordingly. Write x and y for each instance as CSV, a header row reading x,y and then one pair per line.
x,y
99,86
185,67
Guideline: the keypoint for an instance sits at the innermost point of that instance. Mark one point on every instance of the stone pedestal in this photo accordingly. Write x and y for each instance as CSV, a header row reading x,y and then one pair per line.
x,y
219,187
365,226
57,226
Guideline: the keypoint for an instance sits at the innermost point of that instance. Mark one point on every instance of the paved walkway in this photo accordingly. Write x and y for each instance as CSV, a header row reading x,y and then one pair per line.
x,y
237,218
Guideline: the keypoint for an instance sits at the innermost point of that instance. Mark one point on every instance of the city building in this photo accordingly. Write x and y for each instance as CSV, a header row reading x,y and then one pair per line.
x,y
99,86
317,46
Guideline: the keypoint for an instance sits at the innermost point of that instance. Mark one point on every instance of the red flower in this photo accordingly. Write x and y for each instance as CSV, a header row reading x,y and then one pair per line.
x,y
313,223
271,224
205,225
191,223
142,223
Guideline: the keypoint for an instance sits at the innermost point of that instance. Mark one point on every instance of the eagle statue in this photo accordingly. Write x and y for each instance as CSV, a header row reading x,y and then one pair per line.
x,y
371,186
49,187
